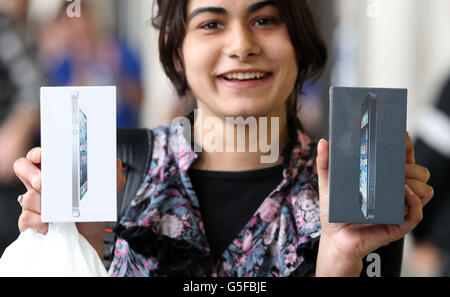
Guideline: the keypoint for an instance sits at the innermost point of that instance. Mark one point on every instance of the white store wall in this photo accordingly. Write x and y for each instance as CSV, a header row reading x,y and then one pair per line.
x,y
400,44
159,96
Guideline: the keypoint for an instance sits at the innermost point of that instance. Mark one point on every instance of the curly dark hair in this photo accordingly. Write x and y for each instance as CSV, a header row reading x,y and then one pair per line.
x,y
302,26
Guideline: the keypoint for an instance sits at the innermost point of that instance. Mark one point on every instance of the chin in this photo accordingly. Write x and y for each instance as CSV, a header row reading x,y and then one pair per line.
x,y
246,109
245,112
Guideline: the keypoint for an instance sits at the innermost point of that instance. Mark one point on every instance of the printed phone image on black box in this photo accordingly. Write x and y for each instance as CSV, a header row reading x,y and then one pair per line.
x,y
78,141
367,155
79,153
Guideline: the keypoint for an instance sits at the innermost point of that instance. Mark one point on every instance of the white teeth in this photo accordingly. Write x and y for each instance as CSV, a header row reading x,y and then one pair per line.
x,y
245,76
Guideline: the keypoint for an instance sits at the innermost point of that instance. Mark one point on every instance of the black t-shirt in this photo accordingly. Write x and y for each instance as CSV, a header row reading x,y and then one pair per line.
x,y
228,200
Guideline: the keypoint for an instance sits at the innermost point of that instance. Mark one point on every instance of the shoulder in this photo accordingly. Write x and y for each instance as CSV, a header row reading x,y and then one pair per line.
x,y
301,168
304,151
162,139
161,162
161,135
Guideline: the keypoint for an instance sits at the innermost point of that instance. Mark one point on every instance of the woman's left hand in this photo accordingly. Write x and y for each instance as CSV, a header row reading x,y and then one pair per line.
x,y
343,246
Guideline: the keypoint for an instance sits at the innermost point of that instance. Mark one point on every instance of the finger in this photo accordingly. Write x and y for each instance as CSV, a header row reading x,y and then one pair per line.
x,y
415,214
34,155
322,157
29,219
28,173
120,165
32,201
121,179
322,164
322,172
422,190
409,150
414,171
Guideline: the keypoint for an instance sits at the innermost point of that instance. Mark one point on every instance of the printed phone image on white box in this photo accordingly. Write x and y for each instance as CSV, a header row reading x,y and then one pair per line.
x,y
78,166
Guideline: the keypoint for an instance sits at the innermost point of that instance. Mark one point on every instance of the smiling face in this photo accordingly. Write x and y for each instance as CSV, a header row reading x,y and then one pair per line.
x,y
238,57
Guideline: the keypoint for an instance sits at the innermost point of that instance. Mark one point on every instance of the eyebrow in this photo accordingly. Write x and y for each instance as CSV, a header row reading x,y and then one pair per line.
x,y
219,10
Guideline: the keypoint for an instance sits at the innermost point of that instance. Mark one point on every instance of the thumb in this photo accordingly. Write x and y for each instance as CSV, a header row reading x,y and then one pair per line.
x,y
322,172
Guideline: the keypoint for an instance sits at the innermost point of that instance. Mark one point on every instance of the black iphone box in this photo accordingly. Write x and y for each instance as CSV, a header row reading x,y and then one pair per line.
x,y
367,155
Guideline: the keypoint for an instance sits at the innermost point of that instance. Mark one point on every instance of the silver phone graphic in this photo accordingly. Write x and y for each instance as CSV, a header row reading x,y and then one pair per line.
x,y
367,156
79,153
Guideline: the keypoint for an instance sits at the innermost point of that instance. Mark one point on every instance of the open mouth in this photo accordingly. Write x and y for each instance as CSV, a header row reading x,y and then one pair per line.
x,y
245,76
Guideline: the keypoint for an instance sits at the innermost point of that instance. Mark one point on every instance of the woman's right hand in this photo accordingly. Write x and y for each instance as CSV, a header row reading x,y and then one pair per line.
x,y
28,171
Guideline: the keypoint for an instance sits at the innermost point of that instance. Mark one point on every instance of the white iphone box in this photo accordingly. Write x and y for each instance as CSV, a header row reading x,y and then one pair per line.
x,y
78,166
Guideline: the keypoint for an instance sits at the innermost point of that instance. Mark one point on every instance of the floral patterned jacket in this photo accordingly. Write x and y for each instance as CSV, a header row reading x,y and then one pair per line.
x,y
162,233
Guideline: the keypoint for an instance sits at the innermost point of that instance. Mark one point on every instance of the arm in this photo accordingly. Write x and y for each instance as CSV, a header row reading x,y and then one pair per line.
x,y
330,262
16,136
23,121
18,128
96,240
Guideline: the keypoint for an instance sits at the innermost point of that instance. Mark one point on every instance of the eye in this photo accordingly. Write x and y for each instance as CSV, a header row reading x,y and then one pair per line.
x,y
265,21
212,25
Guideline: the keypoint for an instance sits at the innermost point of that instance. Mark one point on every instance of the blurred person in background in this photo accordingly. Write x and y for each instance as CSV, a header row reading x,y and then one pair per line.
x,y
75,51
431,249
430,255
20,80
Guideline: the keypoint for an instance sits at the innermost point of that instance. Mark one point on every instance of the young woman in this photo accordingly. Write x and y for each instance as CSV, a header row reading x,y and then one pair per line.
x,y
214,213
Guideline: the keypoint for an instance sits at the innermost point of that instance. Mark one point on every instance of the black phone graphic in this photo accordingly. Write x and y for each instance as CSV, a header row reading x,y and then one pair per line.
x,y
367,156
79,154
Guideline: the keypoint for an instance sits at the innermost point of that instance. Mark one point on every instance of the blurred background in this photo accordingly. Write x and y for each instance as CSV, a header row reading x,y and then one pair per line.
x,y
372,43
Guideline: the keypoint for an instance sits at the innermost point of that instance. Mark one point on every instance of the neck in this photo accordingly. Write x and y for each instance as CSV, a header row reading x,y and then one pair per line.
x,y
233,144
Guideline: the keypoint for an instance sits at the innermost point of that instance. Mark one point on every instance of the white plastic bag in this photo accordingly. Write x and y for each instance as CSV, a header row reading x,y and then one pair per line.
x,y
61,252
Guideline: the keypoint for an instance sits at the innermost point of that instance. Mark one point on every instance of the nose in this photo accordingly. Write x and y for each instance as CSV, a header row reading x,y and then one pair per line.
x,y
241,44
